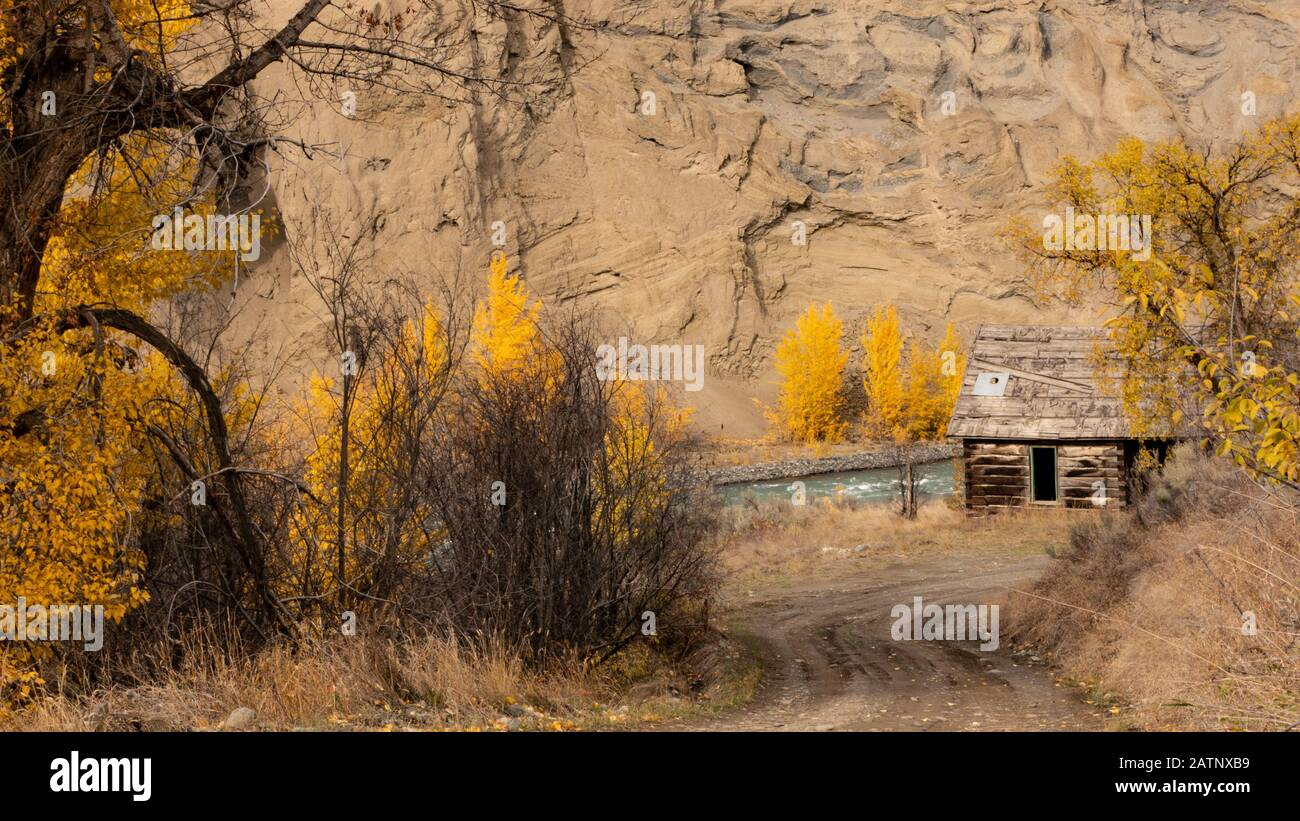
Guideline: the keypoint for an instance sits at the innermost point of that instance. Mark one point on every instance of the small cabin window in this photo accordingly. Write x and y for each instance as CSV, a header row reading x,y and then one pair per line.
x,y
1042,473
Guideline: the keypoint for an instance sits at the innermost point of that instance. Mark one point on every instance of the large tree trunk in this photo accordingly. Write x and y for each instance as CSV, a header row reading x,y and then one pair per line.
x,y
26,224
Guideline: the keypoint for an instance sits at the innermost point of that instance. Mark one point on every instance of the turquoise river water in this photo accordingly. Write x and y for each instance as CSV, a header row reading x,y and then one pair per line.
x,y
934,479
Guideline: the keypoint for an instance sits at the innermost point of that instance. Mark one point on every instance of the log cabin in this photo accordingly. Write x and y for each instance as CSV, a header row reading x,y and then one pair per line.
x,y
1034,429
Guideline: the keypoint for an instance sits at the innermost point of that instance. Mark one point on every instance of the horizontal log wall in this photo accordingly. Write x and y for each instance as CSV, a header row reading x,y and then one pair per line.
x,y
997,474
1080,467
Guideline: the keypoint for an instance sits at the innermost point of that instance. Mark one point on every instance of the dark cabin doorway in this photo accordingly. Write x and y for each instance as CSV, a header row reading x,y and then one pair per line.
x,y
1042,474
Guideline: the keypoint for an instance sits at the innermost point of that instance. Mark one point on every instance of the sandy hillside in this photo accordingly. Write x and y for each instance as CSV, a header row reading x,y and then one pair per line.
x,y
677,225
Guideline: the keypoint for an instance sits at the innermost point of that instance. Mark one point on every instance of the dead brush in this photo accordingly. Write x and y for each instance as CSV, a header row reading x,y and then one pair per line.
x,y
1186,607
428,681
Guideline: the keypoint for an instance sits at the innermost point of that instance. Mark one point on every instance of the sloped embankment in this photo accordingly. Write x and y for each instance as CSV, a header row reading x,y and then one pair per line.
x,y
1186,608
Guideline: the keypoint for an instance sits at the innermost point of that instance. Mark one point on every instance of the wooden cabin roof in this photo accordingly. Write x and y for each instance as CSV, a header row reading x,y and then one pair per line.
x,y
1050,391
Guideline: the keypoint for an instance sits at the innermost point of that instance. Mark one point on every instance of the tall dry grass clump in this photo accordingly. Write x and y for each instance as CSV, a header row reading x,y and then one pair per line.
x,y
432,681
1187,606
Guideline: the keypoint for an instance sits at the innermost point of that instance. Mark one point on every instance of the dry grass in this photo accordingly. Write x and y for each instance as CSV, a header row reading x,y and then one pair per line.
x,y
376,683
1148,607
774,542
431,682
346,682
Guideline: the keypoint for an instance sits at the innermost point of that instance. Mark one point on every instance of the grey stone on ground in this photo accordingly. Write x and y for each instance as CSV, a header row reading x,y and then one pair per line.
x,y
241,718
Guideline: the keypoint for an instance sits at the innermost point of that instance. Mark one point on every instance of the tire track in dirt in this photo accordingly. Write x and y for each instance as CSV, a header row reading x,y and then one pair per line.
x,y
830,664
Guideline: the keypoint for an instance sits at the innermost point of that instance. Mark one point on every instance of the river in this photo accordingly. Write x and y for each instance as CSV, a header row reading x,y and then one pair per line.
x,y
934,479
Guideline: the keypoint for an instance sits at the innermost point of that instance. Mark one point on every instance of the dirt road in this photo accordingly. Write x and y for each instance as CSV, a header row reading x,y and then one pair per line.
x,y
830,664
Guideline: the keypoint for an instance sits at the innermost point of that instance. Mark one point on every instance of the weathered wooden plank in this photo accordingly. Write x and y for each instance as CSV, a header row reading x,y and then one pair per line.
x,y
1030,374
1021,465
1008,486
1089,473
1003,478
982,449
1001,467
1038,332
1086,504
998,501
996,490
1000,471
1087,486
1083,461
1000,478
1092,464
1040,407
1083,458
1013,431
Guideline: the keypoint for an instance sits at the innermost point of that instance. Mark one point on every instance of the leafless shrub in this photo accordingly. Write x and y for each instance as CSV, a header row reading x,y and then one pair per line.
x,y
600,522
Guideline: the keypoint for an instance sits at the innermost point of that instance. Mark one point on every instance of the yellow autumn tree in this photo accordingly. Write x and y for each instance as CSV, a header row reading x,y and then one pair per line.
x,y
1202,273
383,527
810,364
78,401
87,382
505,322
507,341
75,403
149,26
933,382
882,345
639,419
952,372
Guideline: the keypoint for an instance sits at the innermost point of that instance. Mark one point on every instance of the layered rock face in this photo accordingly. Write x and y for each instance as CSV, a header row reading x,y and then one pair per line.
x,y
661,156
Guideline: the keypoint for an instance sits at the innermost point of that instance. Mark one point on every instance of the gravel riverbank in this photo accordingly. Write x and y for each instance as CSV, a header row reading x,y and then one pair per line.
x,y
793,468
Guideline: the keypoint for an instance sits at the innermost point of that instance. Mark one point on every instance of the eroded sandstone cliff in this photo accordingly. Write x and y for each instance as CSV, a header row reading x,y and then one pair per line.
x,y
902,134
